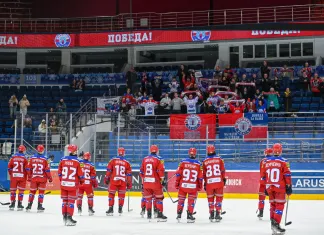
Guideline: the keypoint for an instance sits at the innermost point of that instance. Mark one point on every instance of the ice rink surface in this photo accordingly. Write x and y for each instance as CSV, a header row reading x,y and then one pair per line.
x,y
240,218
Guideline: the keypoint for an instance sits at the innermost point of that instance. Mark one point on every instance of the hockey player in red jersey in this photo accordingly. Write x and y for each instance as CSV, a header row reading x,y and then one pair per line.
x,y
119,177
38,174
276,176
152,174
214,177
17,169
189,179
71,176
90,183
268,152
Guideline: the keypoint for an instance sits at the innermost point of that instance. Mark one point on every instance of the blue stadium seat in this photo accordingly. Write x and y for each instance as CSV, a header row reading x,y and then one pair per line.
x,y
297,100
307,99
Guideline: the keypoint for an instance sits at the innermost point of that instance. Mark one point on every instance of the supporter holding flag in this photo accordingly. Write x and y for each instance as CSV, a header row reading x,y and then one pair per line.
x,y
237,107
273,102
176,104
191,102
149,106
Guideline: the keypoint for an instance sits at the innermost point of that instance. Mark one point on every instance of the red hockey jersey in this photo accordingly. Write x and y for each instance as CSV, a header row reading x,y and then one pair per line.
x,y
39,169
70,173
275,172
89,173
189,175
18,167
214,172
119,171
152,171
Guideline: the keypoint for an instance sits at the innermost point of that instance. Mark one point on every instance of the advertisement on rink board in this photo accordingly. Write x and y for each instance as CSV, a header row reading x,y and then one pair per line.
x,y
142,37
238,182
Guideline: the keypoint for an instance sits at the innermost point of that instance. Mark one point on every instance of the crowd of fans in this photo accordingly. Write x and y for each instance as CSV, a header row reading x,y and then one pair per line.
x,y
226,92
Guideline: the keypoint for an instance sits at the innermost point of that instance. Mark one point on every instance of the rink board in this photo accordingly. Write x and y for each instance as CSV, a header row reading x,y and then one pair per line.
x,y
308,185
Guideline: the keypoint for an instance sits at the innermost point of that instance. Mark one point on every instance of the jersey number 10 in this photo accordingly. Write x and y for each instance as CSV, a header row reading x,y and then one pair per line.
x,y
273,175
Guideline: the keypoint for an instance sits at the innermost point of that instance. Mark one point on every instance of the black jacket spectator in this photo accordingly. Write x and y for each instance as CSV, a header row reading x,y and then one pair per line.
x,y
157,89
181,70
265,69
131,77
304,82
276,84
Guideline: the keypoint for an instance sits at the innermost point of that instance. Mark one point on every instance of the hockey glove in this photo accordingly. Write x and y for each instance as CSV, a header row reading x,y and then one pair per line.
x,y
129,186
224,180
288,189
95,183
163,182
266,192
107,180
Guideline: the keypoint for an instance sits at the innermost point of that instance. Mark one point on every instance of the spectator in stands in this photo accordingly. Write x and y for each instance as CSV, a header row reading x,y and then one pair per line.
x,y
24,104
261,106
321,88
237,107
286,74
250,106
265,69
228,73
74,84
210,107
314,83
174,86
276,83
52,116
192,102
266,83
42,130
127,100
307,70
81,85
218,72
232,85
176,104
144,83
225,80
115,108
132,117
222,107
182,73
287,99
272,101
13,102
53,128
131,77
61,106
258,95
165,103
304,84
188,83
157,85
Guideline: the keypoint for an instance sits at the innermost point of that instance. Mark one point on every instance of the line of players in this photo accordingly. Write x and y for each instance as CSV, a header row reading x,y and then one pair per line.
x,y
80,176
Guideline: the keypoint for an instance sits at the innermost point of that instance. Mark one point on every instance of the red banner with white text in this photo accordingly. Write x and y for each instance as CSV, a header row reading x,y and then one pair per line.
x,y
141,37
193,126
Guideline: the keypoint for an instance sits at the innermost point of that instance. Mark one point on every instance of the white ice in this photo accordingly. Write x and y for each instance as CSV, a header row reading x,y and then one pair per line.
x,y
307,218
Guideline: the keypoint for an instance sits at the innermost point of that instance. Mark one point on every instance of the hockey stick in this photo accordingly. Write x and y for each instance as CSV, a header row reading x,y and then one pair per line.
x,y
5,203
128,197
170,196
49,192
287,223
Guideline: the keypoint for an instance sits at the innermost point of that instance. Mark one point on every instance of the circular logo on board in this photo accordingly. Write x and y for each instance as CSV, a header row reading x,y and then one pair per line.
x,y
62,40
193,122
243,126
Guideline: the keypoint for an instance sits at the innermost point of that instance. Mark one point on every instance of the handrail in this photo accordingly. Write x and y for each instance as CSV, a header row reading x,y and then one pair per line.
x,y
296,13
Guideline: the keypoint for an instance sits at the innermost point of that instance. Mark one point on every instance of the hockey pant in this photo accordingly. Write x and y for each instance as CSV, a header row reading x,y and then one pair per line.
x,y
21,186
121,189
158,194
215,198
262,197
277,203
68,198
88,189
34,186
143,201
192,196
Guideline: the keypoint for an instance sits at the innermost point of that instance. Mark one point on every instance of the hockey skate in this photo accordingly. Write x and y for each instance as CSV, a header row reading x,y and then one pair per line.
x,y
276,229
70,221
120,210
20,206
12,205
29,206
149,215
260,215
143,212
218,218
40,208
190,218
161,217
179,216
91,211
64,219
155,212
212,216
110,211
79,209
